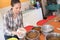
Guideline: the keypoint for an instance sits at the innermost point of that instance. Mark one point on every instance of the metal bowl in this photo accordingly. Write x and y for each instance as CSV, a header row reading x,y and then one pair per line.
x,y
47,28
53,36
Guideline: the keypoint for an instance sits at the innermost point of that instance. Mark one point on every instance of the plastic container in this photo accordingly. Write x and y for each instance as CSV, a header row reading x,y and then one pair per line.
x,y
22,34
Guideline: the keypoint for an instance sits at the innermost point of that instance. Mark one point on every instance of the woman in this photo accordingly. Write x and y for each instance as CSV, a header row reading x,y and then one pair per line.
x,y
13,20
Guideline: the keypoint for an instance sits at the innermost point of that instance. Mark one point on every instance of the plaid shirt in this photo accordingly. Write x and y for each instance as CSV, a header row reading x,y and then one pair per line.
x,y
12,24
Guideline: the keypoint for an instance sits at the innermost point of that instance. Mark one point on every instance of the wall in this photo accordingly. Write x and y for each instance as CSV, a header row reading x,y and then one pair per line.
x,y
24,5
5,3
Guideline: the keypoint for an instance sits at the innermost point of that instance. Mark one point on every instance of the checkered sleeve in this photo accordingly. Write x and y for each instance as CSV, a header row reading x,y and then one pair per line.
x,y
6,30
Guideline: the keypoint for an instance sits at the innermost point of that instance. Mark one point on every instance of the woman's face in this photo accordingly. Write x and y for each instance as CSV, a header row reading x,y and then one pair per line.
x,y
16,8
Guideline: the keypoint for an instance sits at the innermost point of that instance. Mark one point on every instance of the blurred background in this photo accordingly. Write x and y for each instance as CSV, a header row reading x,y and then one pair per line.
x,y
33,10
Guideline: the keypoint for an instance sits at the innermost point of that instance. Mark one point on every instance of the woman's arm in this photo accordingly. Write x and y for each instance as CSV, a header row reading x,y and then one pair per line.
x,y
7,32
6,29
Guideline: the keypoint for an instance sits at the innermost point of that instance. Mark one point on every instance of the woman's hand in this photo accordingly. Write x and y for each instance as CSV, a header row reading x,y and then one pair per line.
x,y
14,32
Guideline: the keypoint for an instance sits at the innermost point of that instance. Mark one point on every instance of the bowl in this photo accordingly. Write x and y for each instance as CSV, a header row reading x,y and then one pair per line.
x,y
53,36
12,39
21,32
33,35
47,28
